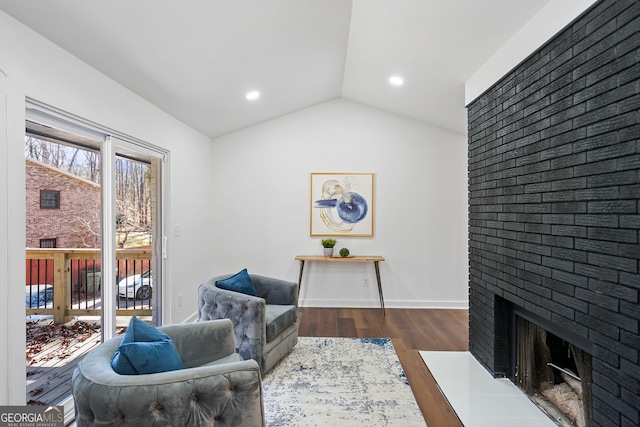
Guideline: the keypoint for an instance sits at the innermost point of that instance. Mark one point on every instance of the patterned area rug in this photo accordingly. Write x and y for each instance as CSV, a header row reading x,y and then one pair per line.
x,y
340,381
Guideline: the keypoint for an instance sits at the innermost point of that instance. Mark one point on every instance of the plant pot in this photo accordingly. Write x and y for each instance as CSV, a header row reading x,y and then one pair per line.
x,y
327,251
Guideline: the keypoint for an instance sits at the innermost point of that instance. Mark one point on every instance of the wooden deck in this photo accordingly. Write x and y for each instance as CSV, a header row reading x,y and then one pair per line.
x,y
53,351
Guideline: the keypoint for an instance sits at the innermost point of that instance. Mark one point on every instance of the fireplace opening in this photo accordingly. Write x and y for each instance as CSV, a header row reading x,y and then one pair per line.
x,y
555,373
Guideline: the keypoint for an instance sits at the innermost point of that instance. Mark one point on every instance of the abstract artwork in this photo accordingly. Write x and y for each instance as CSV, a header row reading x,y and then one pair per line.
x,y
341,204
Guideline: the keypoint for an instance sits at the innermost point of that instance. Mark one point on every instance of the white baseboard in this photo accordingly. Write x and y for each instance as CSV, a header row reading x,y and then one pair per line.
x,y
463,305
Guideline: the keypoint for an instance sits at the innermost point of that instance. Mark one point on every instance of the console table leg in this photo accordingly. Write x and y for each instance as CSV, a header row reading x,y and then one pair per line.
x,y
300,277
375,264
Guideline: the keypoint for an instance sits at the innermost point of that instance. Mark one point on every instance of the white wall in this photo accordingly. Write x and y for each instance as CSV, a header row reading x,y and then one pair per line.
x,y
261,190
545,24
38,69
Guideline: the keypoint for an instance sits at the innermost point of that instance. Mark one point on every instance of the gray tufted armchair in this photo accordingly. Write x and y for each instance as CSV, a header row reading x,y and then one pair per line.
x,y
265,328
215,388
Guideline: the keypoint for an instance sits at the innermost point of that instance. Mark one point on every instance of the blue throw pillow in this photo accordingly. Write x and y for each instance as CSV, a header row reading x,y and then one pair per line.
x,y
145,350
240,282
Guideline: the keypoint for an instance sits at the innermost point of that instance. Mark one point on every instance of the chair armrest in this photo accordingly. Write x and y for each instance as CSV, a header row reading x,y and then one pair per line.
x,y
247,313
201,342
276,291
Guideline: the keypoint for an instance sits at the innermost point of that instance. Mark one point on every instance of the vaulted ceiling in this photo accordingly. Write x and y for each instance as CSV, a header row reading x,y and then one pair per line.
x,y
197,59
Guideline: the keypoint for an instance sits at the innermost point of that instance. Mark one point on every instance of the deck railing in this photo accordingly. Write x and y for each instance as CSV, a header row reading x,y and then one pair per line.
x,y
68,282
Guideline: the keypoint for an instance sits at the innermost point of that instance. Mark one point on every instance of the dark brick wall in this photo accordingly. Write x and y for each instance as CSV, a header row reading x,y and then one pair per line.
x,y
554,186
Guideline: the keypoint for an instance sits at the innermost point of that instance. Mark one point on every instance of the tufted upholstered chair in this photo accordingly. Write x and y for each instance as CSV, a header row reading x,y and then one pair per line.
x,y
215,388
265,328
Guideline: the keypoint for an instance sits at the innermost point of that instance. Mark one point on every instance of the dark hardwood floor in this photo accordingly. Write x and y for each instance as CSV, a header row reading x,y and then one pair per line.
x,y
410,330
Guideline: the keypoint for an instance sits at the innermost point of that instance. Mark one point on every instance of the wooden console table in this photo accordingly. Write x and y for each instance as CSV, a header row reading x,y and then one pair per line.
x,y
374,259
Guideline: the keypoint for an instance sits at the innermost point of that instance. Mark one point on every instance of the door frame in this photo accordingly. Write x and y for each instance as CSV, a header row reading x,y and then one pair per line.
x,y
113,143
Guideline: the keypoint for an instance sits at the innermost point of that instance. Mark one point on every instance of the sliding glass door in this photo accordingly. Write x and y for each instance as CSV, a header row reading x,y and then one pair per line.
x,y
95,242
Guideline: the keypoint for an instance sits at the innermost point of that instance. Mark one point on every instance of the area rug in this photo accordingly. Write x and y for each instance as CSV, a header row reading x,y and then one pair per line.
x,y
340,381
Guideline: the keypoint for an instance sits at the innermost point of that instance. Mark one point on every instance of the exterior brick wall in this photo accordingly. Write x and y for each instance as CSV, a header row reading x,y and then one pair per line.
x,y
554,200
79,204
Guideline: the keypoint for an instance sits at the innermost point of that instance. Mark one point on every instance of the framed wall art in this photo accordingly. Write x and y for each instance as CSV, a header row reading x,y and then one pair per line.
x,y
342,204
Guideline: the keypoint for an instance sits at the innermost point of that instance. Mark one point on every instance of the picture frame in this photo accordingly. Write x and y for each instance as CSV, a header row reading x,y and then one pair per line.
x,y
342,204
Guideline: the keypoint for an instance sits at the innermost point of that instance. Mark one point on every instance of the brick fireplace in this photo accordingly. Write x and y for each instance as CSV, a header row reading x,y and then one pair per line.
x,y
554,201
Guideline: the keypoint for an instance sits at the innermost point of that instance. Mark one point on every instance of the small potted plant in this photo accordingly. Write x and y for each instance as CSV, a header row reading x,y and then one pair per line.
x,y
328,245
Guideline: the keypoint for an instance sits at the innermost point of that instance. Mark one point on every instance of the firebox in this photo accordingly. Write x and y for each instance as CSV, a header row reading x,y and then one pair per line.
x,y
553,366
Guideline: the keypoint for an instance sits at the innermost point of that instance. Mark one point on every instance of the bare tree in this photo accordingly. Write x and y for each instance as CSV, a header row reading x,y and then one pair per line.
x,y
73,160
92,164
87,228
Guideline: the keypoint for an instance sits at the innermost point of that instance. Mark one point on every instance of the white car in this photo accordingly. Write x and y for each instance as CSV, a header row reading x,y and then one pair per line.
x,y
138,286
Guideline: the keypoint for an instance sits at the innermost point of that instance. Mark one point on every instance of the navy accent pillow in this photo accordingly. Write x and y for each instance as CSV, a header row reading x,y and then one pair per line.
x,y
239,282
145,350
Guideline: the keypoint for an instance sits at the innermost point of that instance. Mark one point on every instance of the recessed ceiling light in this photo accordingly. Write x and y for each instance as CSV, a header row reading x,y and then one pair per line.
x,y
396,80
253,95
